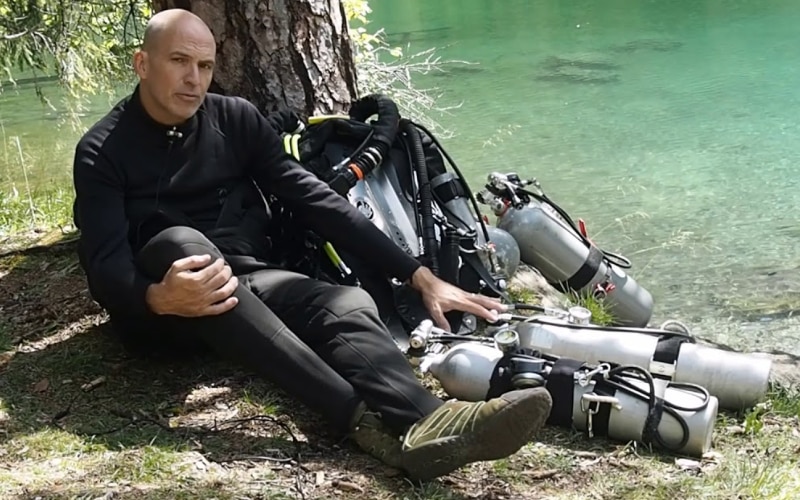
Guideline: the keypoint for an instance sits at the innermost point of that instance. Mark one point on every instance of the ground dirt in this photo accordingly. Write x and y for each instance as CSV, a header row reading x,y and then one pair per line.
x,y
81,418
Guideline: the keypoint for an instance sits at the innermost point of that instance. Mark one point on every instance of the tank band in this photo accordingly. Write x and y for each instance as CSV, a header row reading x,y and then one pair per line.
x,y
584,275
561,386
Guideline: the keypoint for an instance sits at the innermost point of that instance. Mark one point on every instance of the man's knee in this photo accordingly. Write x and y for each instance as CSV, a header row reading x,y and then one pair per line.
x,y
171,244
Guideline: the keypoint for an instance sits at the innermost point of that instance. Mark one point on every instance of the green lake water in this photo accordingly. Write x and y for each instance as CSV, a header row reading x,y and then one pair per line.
x,y
672,128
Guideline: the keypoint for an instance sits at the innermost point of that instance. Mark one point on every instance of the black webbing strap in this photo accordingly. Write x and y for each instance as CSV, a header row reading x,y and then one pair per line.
x,y
561,385
584,275
472,259
600,419
500,381
451,189
667,350
650,429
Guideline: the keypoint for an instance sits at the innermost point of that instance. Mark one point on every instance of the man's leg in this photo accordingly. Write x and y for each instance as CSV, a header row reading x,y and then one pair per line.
x,y
251,334
450,436
342,325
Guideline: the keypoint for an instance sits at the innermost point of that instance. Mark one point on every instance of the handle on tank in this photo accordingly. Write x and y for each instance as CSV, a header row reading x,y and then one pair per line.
x,y
370,154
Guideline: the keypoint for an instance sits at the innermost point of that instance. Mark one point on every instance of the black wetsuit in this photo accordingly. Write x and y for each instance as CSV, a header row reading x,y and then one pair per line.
x,y
148,194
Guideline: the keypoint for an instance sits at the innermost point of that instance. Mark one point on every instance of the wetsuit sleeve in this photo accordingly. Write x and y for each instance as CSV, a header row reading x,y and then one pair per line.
x,y
106,255
320,208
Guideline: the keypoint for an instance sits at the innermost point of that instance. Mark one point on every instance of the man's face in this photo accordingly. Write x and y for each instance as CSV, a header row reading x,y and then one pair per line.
x,y
175,72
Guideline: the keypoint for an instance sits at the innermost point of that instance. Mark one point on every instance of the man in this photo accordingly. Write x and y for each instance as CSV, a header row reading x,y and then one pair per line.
x,y
174,242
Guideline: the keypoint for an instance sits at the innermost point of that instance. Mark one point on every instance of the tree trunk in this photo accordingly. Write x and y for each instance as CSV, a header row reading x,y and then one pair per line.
x,y
272,52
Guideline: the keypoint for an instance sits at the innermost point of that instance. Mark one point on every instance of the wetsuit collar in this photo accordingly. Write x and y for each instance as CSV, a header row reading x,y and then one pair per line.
x,y
185,128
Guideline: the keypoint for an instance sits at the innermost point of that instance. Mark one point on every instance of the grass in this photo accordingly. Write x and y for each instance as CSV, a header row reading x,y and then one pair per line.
x,y
601,313
44,209
5,336
198,428
27,206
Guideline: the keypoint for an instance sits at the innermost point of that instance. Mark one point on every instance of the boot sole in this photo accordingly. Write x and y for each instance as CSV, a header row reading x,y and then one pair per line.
x,y
505,433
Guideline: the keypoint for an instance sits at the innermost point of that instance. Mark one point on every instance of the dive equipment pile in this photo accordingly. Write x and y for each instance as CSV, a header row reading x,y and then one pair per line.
x,y
611,386
397,174
627,381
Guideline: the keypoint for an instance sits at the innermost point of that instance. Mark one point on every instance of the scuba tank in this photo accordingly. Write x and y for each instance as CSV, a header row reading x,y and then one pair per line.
x,y
738,380
549,241
623,403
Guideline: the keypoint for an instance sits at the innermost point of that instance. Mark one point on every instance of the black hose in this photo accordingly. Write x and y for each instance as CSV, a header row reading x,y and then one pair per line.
x,y
452,337
388,118
452,163
425,196
528,307
376,147
449,260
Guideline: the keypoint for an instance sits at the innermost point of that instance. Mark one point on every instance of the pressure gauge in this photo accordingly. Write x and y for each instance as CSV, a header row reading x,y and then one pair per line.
x,y
507,340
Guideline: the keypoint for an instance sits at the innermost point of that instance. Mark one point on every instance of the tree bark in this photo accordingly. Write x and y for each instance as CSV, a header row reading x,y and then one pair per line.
x,y
280,52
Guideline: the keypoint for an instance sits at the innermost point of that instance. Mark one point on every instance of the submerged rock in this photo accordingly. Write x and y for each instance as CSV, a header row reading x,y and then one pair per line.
x,y
647,44
572,74
457,70
589,67
587,61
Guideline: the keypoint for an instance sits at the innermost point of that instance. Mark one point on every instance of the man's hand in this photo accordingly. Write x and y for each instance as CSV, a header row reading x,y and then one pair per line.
x,y
440,297
193,287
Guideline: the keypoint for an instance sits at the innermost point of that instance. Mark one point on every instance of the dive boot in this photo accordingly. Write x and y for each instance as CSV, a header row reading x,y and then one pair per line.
x,y
461,432
372,436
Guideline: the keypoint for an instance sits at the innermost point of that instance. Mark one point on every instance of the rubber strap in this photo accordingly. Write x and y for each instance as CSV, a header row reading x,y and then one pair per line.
x,y
500,381
475,263
601,418
561,386
584,275
450,190
667,350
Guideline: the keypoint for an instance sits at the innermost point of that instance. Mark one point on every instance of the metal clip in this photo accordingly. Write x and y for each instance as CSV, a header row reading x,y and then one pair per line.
x,y
583,378
591,397
589,413
593,407
663,369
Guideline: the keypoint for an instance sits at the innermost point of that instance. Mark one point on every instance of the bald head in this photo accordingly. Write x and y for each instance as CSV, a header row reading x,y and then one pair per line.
x,y
167,22
175,65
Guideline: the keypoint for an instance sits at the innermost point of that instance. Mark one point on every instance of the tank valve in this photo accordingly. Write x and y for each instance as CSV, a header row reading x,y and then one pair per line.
x,y
418,338
579,315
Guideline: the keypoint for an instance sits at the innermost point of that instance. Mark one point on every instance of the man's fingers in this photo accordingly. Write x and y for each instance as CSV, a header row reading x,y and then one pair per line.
x,y
475,305
203,275
438,317
221,307
190,262
489,302
219,279
224,291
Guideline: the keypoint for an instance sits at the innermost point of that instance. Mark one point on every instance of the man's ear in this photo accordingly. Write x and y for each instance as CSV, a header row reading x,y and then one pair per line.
x,y
140,63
